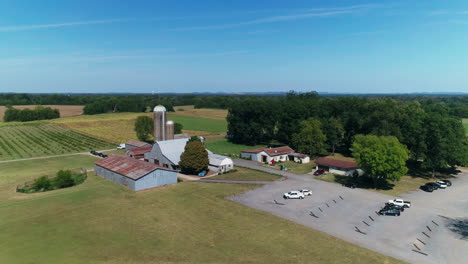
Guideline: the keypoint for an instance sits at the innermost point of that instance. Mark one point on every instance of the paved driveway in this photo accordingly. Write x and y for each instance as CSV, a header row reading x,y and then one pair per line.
x,y
350,215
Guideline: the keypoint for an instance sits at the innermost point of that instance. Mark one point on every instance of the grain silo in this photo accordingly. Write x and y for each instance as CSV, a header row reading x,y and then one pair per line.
x,y
169,130
159,123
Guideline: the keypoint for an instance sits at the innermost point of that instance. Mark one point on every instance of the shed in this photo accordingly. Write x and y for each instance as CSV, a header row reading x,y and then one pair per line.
x,y
131,144
299,157
219,163
134,174
138,153
267,155
340,167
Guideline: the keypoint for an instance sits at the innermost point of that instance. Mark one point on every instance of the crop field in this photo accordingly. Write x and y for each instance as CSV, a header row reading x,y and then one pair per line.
x,y
65,110
43,139
102,222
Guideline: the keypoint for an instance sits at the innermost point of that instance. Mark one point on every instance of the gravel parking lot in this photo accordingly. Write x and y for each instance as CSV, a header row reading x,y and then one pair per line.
x,y
350,215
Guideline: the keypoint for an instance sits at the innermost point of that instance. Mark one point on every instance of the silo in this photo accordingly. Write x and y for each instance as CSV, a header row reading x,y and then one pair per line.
x,y
169,130
159,123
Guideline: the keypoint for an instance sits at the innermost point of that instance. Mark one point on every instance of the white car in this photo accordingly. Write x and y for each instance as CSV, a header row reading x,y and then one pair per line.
x,y
306,192
442,184
121,146
293,195
400,202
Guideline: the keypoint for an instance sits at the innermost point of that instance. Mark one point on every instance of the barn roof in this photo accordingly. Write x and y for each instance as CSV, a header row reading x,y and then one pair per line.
x,y
216,159
128,167
272,151
172,149
139,151
137,143
336,163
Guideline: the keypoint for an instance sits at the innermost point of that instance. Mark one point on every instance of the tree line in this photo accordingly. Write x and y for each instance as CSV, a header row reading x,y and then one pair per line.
x,y
314,125
38,113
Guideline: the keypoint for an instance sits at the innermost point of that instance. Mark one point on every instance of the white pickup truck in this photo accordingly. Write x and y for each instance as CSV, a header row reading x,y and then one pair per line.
x,y
400,202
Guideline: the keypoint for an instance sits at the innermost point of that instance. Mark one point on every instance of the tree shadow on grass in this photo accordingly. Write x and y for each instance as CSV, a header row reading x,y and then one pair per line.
x,y
415,170
363,182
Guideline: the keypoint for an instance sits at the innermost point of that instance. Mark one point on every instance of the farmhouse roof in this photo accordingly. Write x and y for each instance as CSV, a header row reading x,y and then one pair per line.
x,y
172,149
137,143
336,163
139,151
127,166
272,151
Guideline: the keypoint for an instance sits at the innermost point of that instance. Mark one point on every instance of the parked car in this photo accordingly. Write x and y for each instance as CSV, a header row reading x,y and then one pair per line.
x,y
400,202
93,152
393,206
293,195
427,188
104,155
447,182
306,192
100,154
442,185
393,212
432,185
319,172
121,146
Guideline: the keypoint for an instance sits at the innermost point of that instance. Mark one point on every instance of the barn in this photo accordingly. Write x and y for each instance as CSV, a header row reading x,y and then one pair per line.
x,y
134,174
138,153
219,163
131,144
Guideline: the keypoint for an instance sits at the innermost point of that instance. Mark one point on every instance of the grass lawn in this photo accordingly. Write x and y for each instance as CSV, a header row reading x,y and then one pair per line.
x,y
465,124
243,174
406,183
223,147
101,222
44,139
295,167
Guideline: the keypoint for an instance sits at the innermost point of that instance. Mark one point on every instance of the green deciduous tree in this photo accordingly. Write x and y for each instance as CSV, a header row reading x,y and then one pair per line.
x,y
144,127
64,179
310,140
334,132
178,128
42,184
381,157
194,159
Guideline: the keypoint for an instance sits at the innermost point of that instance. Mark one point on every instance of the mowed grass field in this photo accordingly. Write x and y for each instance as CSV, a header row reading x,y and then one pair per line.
x,y
102,222
220,145
119,127
243,174
65,110
44,139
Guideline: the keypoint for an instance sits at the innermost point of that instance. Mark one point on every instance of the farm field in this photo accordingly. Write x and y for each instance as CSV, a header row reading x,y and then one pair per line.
x,y
101,222
242,174
220,145
43,139
465,124
65,110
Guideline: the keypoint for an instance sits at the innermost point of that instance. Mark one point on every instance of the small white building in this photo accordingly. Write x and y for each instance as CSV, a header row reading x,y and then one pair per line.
x,y
219,163
267,155
299,158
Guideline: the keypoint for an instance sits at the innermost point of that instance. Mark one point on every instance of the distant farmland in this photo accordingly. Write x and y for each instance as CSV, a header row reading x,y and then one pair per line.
x,y
65,110
42,139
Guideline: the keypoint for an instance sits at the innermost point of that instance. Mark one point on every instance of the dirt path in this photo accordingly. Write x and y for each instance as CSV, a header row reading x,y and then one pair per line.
x,y
54,156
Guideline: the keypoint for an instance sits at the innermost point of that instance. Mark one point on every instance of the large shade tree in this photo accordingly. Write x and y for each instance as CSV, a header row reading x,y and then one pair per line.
x,y
381,157
310,140
144,127
334,132
194,159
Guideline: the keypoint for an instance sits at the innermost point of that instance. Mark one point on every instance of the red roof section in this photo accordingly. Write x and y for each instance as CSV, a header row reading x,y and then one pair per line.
x,y
272,151
336,163
128,167
139,151
137,143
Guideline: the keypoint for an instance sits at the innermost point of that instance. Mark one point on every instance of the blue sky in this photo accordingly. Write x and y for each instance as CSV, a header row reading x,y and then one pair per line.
x,y
234,46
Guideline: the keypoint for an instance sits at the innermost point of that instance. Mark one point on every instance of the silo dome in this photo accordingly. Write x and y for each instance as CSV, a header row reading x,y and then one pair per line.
x,y
169,122
159,108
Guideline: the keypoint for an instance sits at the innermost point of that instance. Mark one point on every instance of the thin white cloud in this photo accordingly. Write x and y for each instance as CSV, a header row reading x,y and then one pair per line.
x,y
304,14
69,24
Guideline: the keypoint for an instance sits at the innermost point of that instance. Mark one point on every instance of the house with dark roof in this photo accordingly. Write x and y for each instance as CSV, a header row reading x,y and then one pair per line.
x,y
267,155
131,144
134,174
341,167
138,153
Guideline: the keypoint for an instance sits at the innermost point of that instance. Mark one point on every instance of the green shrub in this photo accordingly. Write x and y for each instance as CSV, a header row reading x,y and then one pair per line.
x,y
41,184
64,179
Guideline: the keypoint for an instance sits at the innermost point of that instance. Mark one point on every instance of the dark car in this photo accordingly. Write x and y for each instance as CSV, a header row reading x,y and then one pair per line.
x,y
349,184
433,185
390,206
104,155
93,152
393,212
427,188
449,183
101,154
319,172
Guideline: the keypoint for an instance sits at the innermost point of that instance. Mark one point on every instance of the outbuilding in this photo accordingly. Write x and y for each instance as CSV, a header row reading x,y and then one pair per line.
x,y
138,153
299,158
267,155
167,153
219,163
134,174
341,167
131,144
